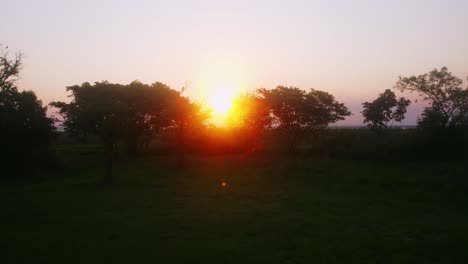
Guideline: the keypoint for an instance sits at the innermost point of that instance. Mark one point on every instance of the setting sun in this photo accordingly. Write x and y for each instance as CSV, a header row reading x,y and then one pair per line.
x,y
220,101
218,81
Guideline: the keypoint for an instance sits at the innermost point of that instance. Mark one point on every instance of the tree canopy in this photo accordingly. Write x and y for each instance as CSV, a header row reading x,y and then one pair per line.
x,y
448,101
296,112
23,120
378,113
251,111
128,115
117,112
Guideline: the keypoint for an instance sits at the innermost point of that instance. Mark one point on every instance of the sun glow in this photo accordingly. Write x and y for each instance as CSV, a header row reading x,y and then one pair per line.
x,y
219,82
220,100
219,97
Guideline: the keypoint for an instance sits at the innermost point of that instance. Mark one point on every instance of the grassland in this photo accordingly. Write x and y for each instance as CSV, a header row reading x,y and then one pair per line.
x,y
274,209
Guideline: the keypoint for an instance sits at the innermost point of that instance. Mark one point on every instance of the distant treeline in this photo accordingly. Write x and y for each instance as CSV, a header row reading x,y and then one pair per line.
x,y
136,118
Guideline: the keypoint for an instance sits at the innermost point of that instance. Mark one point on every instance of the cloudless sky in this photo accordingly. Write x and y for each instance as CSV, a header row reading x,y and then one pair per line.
x,y
352,49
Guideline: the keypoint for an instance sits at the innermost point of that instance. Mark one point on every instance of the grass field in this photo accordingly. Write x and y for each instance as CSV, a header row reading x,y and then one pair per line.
x,y
272,210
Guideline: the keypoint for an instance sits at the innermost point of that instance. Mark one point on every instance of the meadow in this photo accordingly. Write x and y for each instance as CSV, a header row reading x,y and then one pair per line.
x,y
233,208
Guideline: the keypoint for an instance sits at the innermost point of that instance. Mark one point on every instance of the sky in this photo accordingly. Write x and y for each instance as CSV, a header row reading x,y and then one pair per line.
x,y
351,49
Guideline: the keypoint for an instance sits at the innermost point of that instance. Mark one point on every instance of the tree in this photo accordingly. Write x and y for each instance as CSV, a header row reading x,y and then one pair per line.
x,y
118,114
448,101
187,118
9,69
250,117
24,124
147,113
95,109
298,113
378,113
321,109
286,104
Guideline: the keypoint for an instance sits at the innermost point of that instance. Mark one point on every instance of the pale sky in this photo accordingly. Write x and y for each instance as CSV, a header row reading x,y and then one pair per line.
x,y
352,49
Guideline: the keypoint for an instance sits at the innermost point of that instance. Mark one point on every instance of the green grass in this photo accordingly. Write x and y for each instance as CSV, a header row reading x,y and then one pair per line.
x,y
273,210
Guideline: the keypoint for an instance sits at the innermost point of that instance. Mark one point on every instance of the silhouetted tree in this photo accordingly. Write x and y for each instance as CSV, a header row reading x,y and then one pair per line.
x,y
24,124
96,109
448,100
321,109
286,104
147,112
127,114
9,69
187,118
298,113
251,116
378,113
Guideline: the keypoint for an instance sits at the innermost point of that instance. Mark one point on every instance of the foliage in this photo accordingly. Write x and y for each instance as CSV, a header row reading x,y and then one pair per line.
x,y
187,119
321,109
442,90
186,115
250,118
130,115
297,113
24,124
384,109
251,111
146,113
9,68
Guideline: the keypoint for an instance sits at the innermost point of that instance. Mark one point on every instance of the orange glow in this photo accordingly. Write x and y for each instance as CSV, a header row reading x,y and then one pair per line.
x,y
218,82
223,184
220,99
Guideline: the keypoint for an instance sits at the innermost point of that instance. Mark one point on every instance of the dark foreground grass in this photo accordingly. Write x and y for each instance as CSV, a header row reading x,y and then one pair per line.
x,y
273,210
